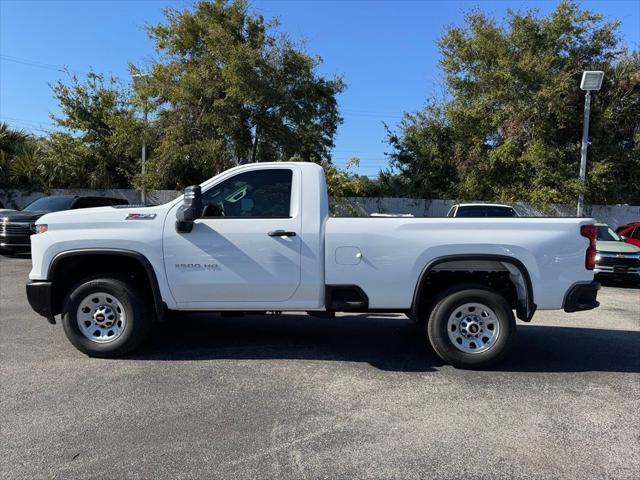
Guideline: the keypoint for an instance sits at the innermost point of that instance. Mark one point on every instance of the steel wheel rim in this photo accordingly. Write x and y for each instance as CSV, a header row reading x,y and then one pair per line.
x,y
101,317
473,328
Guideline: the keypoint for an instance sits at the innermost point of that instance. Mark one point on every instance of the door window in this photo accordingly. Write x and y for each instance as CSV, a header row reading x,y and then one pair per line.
x,y
259,193
636,233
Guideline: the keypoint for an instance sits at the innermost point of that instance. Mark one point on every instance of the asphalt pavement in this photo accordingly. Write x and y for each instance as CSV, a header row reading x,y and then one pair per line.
x,y
292,396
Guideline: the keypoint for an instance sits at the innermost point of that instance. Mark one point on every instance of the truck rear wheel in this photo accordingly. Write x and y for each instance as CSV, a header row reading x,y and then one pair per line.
x,y
471,327
105,317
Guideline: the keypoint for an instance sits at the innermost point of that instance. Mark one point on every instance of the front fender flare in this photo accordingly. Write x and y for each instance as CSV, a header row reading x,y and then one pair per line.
x,y
159,304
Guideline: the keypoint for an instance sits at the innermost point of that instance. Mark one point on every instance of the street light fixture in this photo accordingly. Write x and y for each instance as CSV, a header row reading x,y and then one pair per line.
x,y
591,81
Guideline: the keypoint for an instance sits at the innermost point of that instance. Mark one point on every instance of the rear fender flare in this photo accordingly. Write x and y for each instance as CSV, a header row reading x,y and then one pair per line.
x,y
526,306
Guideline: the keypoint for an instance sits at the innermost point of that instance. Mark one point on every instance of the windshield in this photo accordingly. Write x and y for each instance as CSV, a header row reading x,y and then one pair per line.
x,y
485,211
50,204
605,234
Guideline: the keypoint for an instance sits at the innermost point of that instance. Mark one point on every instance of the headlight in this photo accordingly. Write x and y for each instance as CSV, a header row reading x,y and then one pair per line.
x,y
42,228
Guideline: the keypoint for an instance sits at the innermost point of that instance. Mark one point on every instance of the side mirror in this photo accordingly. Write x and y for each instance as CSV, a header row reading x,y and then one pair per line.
x,y
190,210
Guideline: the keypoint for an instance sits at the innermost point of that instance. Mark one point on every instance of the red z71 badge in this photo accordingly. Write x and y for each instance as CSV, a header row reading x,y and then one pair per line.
x,y
141,216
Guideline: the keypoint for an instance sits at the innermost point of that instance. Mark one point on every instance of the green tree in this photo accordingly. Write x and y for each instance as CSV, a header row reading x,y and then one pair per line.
x,y
26,168
98,144
11,142
511,123
21,159
230,90
423,154
342,182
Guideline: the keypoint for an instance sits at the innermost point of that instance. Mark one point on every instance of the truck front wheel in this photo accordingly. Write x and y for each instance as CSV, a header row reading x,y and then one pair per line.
x,y
471,327
105,317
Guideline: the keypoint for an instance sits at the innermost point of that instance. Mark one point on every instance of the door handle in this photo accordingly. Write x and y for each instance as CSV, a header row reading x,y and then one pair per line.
x,y
281,233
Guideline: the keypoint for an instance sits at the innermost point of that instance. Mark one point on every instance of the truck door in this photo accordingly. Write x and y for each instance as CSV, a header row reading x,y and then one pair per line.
x,y
245,248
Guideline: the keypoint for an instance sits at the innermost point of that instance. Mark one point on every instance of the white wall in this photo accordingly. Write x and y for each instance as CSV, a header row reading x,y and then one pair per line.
x,y
613,215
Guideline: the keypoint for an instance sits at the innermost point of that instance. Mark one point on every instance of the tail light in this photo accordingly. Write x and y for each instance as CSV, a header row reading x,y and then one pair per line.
x,y
589,231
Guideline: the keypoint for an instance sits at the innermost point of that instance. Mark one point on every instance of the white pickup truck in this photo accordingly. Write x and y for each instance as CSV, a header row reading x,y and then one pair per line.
x,y
259,238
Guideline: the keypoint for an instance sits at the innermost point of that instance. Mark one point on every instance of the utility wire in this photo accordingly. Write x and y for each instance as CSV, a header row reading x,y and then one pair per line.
x,y
30,128
26,120
364,113
37,64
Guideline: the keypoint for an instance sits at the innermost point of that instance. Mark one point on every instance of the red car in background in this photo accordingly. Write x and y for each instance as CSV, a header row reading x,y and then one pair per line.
x,y
630,233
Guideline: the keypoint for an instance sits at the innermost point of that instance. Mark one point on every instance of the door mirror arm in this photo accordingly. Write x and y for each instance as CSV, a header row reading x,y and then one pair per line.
x,y
190,210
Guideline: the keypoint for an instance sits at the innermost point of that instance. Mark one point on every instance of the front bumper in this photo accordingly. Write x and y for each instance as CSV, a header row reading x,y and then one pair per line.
x,y
582,296
15,236
621,266
617,272
39,294
15,242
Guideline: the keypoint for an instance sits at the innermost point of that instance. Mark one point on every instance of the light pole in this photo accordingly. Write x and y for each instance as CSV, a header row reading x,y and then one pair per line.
x,y
145,111
144,150
591,81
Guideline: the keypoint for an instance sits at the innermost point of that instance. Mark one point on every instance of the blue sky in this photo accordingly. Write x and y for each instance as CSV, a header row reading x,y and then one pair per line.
x,y
384,50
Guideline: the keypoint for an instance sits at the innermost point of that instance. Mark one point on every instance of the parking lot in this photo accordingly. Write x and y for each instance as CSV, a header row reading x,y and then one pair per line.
x,y
291,396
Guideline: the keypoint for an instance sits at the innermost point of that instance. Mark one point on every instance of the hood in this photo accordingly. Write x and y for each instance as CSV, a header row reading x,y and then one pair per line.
x,y
616,247
99,217
20,216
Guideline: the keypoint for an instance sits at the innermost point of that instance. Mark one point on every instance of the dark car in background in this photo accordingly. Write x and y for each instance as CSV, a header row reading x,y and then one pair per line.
x,y
4,210
615,259
17,226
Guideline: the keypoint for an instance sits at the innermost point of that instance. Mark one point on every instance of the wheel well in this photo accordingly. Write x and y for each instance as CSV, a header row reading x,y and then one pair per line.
x,y
68,270
509,279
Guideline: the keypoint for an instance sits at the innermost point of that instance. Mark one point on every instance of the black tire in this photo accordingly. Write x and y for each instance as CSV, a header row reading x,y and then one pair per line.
x,y
136,328
445,306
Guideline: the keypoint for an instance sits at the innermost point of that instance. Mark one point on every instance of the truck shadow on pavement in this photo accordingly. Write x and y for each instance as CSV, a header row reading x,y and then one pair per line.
x,y
389,343
386,342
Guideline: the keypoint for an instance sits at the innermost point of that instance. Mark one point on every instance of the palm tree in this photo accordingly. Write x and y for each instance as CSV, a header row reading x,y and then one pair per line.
x,y
26,165
12,140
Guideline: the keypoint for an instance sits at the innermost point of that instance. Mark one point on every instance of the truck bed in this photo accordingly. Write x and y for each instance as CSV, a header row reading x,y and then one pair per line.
x,y
384,255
